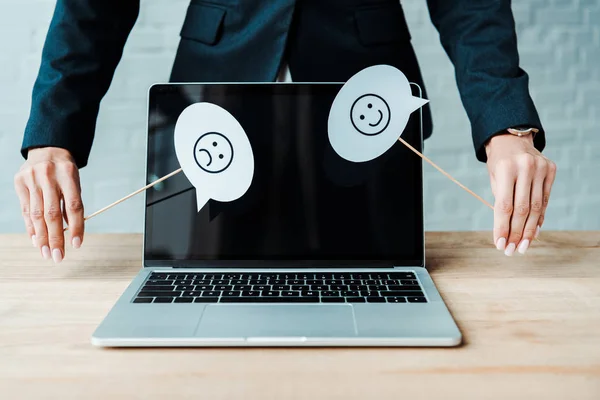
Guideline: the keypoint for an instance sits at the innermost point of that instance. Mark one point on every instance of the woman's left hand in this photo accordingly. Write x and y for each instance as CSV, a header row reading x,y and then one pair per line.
x,y
521,179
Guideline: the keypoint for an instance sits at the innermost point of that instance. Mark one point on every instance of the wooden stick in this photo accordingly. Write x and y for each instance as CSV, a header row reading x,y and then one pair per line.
x,y
130,195
445,173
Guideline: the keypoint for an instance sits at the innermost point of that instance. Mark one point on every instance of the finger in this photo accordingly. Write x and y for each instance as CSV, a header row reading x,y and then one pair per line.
x,y
68,179
36,212
54,220
503,206
522,201
23,195
548,182
536,206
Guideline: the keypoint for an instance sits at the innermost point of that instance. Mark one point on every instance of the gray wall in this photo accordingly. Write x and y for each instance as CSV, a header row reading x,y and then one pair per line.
x,y
559,42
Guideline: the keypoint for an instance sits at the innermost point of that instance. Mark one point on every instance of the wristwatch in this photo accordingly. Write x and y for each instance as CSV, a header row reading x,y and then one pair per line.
x,y
522,131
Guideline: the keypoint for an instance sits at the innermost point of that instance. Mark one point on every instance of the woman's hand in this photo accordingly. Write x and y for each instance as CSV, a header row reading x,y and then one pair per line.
x,y
48,178
521,179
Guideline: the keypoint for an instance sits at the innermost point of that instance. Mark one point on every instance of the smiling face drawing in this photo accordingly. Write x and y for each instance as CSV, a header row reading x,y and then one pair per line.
x,y
370,114
213,152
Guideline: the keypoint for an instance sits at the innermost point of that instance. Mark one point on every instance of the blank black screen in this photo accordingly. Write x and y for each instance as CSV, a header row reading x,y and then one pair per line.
x,y
306,205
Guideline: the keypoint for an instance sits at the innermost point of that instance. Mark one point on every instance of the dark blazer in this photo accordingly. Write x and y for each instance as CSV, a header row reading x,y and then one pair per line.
x,y
247,40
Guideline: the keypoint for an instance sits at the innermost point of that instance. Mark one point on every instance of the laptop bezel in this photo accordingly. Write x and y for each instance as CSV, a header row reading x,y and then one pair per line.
x,y
273,263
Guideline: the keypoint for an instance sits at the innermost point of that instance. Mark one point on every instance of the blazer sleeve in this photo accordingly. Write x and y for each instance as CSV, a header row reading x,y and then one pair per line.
x,y
480,39
83,46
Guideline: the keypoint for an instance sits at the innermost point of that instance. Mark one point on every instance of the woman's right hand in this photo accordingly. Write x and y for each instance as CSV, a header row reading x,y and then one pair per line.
x,y
48,178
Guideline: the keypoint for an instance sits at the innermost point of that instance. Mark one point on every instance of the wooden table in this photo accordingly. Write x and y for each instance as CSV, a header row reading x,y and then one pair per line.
x,y
531,328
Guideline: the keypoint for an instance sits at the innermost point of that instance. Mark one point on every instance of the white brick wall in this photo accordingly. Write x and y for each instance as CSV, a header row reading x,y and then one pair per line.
x,y
559,42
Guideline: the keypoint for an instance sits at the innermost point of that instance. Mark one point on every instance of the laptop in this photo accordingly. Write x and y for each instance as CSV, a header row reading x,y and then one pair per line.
x,y
319,251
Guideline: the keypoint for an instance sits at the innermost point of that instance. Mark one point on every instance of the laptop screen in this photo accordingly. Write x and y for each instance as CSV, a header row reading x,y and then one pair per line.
x,y
306,206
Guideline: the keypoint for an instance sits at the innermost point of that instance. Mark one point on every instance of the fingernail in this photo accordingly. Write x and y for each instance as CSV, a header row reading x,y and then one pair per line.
x,y
46,252
57,255
510,249
523,246
537,232
501,243
76,242
33,240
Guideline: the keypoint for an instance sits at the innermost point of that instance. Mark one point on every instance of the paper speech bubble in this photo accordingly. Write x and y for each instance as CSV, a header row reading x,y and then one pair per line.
x,y
370,112
214,153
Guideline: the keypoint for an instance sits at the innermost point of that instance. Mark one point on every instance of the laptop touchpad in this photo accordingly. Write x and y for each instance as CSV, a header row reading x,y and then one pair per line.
x,y
276,320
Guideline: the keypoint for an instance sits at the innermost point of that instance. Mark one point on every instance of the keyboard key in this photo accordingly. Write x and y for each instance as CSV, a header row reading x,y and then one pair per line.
x,y
350,293
192,293
163,300
201,282
404,287
183,288
333,300
269,299
310,293
155,275
408,282
159,282
257,282
222,287
270,293
155,288
319,287
242,287
377,287
281,287
211,294
395,299
208,299
251,293
184,299
401,294
355,299
299,288
375,299
417,299
232,293
144,293
143,300
205,288
290,293
221,282
379,275
330,293
339,287
366,293
183,282
402,275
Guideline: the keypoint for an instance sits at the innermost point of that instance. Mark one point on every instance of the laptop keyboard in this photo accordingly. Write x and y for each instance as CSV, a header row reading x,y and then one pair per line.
x,y
378,287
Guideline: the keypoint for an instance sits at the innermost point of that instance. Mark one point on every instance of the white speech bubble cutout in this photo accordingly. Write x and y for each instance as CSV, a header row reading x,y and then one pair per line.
x,y
214,153
370,112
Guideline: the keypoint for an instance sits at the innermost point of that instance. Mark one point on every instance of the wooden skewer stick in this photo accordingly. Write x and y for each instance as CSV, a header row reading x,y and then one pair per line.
x,y
445,173
131,195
